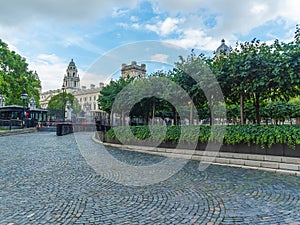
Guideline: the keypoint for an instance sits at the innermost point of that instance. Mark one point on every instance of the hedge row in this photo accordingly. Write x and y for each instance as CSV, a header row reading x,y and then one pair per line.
x,y
265,136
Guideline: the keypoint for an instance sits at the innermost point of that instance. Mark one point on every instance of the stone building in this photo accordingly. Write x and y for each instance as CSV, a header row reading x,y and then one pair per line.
x,y
223,49
46,96
71,80
133,70
88,100
87,97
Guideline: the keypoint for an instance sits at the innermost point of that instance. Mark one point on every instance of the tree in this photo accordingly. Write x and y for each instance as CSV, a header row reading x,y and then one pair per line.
x,y
195,76
58,102
15,77
109,92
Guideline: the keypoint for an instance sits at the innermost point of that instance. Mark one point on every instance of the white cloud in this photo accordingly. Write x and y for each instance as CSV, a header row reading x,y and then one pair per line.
x,y
166,27
195,39
258,8
290,10
134,19
15,12
88,78
51,70
232,16
123,25
34,25
117,12
160,58
136,26
174,6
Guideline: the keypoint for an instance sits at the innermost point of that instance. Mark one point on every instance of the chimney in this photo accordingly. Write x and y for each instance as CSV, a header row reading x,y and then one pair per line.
x,y
92,86
83,87
143,66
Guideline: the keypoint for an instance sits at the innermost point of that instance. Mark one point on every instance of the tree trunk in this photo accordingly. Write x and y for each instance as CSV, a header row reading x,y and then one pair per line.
x,y
242,109
123,118
153,111
111,119
211,115
192,113
174,116
257,114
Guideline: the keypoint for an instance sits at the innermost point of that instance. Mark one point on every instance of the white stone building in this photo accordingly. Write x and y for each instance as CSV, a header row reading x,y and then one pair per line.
x,y
71,80
133,70
88,100
87,97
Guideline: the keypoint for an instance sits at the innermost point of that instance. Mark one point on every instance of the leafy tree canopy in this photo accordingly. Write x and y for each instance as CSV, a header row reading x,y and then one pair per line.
x,y
55,104
15,77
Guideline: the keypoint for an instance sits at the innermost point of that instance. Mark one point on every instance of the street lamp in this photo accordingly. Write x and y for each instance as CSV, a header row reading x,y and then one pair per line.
x,y
63,102
24,96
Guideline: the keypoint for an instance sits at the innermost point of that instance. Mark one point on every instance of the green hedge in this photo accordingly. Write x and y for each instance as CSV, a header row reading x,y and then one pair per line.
x,y
265,136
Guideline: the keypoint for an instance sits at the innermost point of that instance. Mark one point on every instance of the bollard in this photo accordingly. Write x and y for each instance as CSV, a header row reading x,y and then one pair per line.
x,y
63,129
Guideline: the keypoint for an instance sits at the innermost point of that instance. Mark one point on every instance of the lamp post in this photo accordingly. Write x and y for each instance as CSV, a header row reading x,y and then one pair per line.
x,y
63,103
24,96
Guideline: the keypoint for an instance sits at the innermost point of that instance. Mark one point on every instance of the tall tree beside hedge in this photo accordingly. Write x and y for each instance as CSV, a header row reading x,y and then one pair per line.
x,y
15,77
255,72
109,92
58,102
195,76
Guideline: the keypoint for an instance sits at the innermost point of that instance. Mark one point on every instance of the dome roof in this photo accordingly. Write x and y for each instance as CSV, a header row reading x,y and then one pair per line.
x,y
223,48
71,63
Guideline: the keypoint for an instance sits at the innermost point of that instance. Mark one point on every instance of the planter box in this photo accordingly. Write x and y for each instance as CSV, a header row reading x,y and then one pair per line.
x,y
245,149
276,149
292,152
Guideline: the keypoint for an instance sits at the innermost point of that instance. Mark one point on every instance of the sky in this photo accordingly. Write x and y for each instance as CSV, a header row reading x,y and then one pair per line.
x,y
50,33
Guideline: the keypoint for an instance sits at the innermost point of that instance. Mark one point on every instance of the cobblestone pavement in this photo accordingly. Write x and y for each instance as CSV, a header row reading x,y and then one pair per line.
x,y
45,180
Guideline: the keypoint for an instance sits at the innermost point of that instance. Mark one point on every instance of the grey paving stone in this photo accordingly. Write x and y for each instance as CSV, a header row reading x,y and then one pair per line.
x,y
44,179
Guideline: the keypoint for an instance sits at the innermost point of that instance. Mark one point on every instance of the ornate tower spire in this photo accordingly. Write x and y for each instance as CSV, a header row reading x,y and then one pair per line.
x,y
71,79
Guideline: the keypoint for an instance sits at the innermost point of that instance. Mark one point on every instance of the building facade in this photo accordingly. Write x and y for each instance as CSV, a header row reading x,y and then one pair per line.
x,y
133,70
71,80
87,97
88,100
46,96
222,50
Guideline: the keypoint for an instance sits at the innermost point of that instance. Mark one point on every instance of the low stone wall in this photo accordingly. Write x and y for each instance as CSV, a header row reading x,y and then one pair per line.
x,y
17,131
269,163
276,149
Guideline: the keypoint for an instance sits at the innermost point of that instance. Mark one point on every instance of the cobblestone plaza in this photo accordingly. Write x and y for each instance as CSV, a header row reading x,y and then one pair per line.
x,y
46,180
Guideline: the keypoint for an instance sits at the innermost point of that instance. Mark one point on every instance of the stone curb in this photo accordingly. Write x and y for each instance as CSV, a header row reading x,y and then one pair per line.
x,y
18,131
275,164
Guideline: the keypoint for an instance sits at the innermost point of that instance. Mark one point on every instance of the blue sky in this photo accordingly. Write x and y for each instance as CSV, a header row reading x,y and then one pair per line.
x,y
49,33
